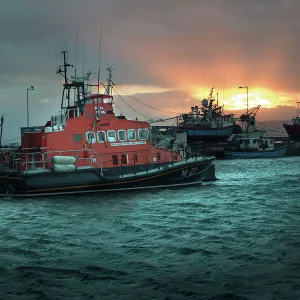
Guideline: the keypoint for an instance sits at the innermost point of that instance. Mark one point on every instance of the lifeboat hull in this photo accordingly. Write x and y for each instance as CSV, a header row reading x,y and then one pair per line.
x,y
192,171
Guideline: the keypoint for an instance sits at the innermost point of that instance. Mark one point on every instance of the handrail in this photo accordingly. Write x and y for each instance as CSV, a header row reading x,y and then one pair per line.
x,y
34,148
97,156
64,115
16,158
92,153
27,159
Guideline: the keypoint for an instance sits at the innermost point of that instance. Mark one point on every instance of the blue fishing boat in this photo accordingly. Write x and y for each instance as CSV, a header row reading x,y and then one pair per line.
x,y
256,148
220,133
207,123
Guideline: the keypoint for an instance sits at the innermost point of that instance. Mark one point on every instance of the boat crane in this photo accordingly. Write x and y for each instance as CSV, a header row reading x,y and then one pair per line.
x,y
251,114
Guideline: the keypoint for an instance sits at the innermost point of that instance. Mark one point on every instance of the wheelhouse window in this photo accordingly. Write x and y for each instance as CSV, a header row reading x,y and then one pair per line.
x,y
124,159
78,138
101,135
115,160
122,135
158,156
90,137
111,136
143,133
131,134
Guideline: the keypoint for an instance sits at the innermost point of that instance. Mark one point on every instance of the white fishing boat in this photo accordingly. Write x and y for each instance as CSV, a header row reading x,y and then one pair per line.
x,y
251,142
250,147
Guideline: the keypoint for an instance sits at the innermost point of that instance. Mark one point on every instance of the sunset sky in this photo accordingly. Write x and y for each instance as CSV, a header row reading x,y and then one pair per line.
x,y
167,52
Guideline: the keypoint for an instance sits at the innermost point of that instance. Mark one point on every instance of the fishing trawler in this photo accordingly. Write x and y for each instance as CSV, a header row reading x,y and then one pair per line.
x,y
208,123
87,148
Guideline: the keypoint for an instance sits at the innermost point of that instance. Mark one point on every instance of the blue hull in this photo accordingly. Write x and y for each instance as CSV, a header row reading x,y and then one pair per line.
x,y
259,154
210,133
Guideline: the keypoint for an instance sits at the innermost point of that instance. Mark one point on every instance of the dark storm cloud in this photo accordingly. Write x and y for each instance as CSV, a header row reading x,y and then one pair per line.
x,y
169,43
260,35
256,40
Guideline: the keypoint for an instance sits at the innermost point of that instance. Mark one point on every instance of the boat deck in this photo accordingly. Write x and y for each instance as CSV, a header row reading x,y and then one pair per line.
x,y
144,172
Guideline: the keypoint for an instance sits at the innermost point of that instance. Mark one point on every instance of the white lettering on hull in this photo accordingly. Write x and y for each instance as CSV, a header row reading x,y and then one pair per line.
x,y
187,172
128,143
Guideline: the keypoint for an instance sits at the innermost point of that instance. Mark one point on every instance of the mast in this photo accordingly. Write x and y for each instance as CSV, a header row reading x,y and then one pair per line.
x,y
99,67
109,81
65,66
74,85
1,125
298,108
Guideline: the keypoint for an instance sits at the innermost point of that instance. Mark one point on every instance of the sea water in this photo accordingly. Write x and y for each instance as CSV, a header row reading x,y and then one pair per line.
x,y
236,238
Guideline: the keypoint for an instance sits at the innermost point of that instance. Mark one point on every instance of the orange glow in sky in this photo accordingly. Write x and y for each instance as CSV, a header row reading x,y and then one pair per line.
x,y
235,98
172,101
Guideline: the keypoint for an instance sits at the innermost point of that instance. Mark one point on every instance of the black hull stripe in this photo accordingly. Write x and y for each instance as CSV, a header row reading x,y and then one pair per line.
x,y
117,182
103,191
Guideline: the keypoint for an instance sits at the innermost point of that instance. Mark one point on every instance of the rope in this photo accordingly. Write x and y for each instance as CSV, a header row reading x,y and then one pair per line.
x,y
143,103
130,106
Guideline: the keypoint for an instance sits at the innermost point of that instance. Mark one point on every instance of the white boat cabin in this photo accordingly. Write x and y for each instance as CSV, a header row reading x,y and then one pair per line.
x,y
296,121
257,144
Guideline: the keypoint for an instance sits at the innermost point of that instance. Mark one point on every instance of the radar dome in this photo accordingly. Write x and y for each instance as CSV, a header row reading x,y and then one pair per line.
x,y
204,102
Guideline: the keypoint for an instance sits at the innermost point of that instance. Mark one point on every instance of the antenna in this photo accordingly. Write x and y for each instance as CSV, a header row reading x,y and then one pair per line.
x,y
204,83
83,59
99,68
76,51
56,61
1,125
298,107
224,84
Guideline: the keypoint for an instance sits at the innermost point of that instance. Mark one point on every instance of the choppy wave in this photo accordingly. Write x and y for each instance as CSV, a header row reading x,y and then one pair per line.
x,y
235,239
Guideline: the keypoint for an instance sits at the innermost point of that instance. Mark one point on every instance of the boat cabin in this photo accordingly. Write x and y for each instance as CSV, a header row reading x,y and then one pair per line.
x,y
94,131
257,144
296,121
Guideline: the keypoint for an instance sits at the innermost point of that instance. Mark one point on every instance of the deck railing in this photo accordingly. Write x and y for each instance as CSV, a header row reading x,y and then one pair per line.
x,y
43,159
